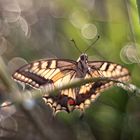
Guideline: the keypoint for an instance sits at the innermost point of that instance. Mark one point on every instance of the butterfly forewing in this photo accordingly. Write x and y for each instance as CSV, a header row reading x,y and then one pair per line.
x,y
108,69
43,72
56,72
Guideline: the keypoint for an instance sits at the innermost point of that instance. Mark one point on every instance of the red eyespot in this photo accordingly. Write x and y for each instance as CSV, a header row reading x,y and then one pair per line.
x,y
71,102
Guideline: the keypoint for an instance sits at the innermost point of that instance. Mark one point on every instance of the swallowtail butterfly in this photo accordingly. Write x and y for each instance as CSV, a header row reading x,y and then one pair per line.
x,y
56,72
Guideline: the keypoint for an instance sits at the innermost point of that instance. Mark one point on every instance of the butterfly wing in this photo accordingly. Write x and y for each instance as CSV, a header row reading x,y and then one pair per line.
x,y
89,92
43,72
109,69
49,74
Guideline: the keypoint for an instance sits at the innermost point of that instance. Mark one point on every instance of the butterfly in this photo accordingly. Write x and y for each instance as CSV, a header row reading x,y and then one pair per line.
x,y
52,73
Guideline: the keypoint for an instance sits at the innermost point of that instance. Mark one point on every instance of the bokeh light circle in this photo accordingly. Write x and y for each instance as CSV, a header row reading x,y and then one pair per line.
x,y
24,25
130,53
29,104
89,31
16,63
11,10
79,18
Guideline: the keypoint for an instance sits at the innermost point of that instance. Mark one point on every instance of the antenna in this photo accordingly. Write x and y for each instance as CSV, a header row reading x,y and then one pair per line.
x,y
76,45
92,44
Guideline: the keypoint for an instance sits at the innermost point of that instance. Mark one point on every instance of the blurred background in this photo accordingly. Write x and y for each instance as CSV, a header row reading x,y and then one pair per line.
x,y
36,29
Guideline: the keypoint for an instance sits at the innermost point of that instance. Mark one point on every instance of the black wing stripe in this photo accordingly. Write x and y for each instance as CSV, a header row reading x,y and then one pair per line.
x,y
82,96
107,66
84,100
114,68
49,64
38,79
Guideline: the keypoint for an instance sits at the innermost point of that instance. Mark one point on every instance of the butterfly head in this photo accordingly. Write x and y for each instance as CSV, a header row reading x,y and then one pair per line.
x,y
83,58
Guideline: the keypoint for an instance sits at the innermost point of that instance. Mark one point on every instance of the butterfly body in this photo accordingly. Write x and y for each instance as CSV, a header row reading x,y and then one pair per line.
x,y
82,66
53,73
